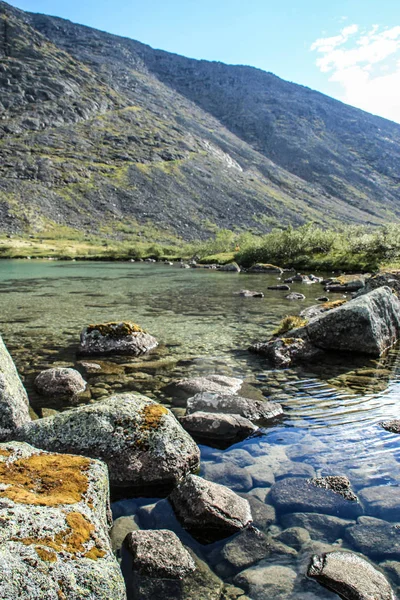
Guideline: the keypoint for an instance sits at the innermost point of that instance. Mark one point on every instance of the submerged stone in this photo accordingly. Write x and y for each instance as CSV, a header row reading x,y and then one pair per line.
x,y
144,446
216,428
115,338
254,410
377,540
182,389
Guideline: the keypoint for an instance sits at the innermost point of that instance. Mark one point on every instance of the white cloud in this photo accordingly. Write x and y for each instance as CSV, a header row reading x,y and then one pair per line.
x,y
366,65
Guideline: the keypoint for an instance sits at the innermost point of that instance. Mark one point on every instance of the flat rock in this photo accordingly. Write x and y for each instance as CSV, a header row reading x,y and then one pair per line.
x,y
183,389
350,576
60,383
209,511
145,448
254,410
297,494
381,501
54,537
14,404
115,338
220,429
267,581
380,540
326,528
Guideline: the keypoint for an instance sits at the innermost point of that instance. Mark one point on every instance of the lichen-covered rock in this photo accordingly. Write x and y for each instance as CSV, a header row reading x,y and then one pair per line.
x,y
14,405
265,268
182,389
53,539
60,382
209,511
350,576
284,351
116,338
144,446
254,410
217,428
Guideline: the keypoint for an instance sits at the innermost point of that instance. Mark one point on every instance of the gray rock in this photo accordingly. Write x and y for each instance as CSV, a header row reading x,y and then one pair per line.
x,y
294,469
254,410
350,576
381,501
282,287
261,475
326,528
116,338
54,540
297,494
60,383
183,389
245,549
295,537
265,268
263,514
232,267
392,568
221,429
209,511
227,473
354,285
380,540
267,581
14,405
249,294
295,296
120,529
284,351
393,426
142,443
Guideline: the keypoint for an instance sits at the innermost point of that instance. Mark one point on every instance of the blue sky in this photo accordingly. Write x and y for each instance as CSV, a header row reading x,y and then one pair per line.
x,y
348,49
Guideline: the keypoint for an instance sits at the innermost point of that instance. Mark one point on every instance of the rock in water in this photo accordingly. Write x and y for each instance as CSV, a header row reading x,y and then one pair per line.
x,y
233,267
209,511
254,410
182,389
54,542
265,268
14,404
144,446
60,383
116,338
218,429
350,576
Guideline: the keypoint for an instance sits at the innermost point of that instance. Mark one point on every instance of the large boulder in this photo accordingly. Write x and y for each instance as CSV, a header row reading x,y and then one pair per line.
x,y
60,383
144,446
217,429
254,410
115,338
209,511
350,576
14,404
54,540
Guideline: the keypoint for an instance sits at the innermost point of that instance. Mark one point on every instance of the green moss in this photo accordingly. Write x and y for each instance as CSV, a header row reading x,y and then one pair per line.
x,y
288,323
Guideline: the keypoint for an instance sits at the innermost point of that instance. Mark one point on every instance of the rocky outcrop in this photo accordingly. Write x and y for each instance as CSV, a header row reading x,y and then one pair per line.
x,y
14,404
254,410
60,383
143,445
350,576
54,537
116,338
217,429
182,389
209,511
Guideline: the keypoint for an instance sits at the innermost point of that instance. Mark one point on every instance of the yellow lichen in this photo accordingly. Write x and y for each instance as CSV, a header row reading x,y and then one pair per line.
x,y
115,329
288,323
290,341
45,479
334,304
151,416
72,540
4,452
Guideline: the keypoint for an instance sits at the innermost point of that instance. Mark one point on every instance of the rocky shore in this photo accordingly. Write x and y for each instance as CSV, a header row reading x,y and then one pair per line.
x,y
205,506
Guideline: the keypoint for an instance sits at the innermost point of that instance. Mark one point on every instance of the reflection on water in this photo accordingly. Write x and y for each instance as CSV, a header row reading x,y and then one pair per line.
x,y
332,409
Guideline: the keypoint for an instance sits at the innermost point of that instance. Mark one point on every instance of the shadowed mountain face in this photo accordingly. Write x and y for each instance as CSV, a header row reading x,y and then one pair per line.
x,y
99,131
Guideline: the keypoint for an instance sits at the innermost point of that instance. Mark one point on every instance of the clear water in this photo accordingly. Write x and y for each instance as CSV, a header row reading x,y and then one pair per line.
x,y
332,410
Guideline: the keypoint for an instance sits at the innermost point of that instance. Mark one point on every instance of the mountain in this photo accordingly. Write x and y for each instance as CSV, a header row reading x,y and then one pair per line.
x,y
102,133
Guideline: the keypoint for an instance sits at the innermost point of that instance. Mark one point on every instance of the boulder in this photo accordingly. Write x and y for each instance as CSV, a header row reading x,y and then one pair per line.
x,y
60,383
376,539
390,279
350,576
249,294
284,351
54,537
254,410
295,296
14,404
352,285
115,338
265,268
297,494
232,267
182,389
144,446
216,428
209,511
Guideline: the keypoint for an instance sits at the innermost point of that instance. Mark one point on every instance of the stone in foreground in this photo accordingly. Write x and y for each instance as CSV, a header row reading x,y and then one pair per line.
x,y
209,511
14,405
60,382
254,410
217,428
144,446
350,576
182,389
116,338
54,541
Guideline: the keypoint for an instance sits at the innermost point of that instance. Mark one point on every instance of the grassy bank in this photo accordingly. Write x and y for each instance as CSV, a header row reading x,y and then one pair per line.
x,y
306,248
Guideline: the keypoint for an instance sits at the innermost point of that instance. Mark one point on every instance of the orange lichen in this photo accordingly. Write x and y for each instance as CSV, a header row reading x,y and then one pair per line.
x,y
45,479
115,329
4,452
71,540
151,416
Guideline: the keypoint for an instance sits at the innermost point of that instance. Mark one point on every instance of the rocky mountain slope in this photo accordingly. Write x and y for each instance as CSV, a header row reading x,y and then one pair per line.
x,y
103,133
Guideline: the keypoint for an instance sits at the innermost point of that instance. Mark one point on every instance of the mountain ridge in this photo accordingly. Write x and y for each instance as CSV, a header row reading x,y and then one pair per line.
x,y
98,131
